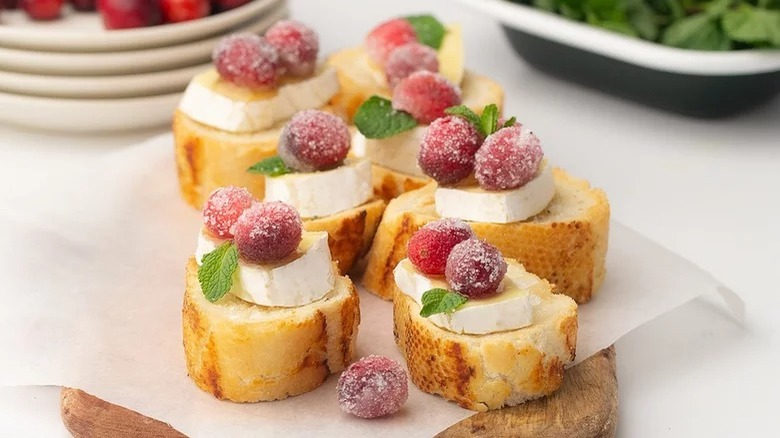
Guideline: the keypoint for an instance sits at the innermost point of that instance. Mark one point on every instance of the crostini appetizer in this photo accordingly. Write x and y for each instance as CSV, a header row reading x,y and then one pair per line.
x,y
399,47
332,193
475,327
494,175
230,116
266,315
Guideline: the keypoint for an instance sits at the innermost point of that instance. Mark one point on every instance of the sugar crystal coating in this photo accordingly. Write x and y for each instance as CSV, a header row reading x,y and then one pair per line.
x,y
372,387
268,232
223,207
425,95
430,246
386,37
409,58
475,268
447,149
314,140
298,46
247,60
509,158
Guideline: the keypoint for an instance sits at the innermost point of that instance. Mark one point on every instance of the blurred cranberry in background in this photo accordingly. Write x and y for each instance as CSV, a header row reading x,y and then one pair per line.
x,y
83,5
9,4
174,11
126,14
224,5
42,9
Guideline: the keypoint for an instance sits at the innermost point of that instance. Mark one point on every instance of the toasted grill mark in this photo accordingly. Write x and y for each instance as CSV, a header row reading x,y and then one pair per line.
x,y
463,372
211,370
348,323
190,153
323,338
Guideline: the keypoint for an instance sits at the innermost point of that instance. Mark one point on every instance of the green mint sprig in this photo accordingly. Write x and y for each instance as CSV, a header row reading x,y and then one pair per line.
x,y
376,118
273,166
215,275
487,123
429,30
440,300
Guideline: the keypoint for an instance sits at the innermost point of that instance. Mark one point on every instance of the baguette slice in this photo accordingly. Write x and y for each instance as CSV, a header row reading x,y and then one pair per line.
x,y
485,372
389,184
358,81
565,244
243,352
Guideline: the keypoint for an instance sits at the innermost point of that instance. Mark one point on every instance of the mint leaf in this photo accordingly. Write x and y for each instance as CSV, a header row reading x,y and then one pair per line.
x,y
376,118
752,25
511,122
440,301
488,122
698,32
643,19
429,30
273,166
215,275
466,113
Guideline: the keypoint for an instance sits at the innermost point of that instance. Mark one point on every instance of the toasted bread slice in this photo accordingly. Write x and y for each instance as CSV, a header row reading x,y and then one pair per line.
x,y
350,232
359,80
565,244
389,184
485,372
243,352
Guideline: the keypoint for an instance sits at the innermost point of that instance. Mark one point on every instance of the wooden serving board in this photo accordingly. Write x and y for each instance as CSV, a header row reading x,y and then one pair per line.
x,y
584,407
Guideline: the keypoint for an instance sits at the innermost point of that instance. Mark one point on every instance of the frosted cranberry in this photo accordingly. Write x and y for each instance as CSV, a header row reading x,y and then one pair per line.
x,y
225,5
409,58
83,5
247,60
175,11
127,14
298,46
42,9
425,95
314,140
386,37
509,158
223,207
475,268
373,387
268,232
447,149
430,246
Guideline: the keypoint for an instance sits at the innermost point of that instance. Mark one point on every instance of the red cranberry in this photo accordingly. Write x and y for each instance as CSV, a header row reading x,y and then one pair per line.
x,y
408,59
9,4
298,46
83,5
268,232
128,14
425,96
247,60
475,268
314,140
225,5
386,37
175,11
223,207
509,158
430,246
42,9
373,387
447,149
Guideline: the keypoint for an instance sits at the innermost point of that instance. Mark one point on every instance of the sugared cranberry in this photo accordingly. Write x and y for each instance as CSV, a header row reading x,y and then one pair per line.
x,y
175,11
224,5
247,60
298,46
83,5
409,58
127,14
447,149
42,9
425,95
267,232
373,387
386,37
9,4
223,207
475,268
509,158
314,140
430,246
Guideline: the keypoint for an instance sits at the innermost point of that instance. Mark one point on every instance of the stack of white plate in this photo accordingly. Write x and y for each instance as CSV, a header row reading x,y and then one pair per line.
x,y
72,75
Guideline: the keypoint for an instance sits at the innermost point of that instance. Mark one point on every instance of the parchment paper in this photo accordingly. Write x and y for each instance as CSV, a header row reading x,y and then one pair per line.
x,y
92,254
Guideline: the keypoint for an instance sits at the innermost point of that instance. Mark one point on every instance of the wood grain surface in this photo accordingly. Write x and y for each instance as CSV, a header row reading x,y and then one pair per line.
x,y
584,407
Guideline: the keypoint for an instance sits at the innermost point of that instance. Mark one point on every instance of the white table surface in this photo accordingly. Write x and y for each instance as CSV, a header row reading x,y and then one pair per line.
x,y
709,190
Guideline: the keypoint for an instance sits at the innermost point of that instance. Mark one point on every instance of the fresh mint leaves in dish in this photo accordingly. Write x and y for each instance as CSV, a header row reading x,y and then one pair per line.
x,y
687,24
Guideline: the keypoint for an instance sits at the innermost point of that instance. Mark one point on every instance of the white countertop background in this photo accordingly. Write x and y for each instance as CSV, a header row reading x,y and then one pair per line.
x,y
708,190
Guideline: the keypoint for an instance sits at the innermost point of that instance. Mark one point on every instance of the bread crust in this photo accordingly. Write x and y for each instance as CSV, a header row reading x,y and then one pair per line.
x,y
566,244
485,372
389,184
242,352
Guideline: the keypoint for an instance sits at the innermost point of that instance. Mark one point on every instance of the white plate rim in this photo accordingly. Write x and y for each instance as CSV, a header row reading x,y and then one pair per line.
x,y
632,50
125,39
